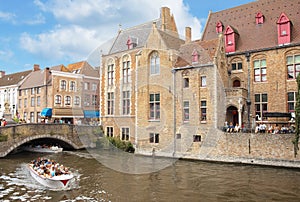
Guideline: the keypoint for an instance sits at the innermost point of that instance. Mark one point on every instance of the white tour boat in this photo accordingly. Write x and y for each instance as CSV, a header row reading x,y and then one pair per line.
x,y
43,149
56,182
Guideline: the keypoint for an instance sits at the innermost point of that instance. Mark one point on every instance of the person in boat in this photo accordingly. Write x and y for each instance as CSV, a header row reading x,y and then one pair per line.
x,y
52,171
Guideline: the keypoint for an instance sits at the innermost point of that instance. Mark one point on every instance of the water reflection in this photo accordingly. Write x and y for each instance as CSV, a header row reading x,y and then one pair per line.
x,y
181,181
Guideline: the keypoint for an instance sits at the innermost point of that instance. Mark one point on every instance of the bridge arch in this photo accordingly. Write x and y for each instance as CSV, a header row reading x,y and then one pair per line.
x,y
35,137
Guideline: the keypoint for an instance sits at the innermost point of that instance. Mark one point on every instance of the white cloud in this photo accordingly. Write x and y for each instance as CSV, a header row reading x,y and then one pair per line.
x,y
86,24
6,55
6,16
38,19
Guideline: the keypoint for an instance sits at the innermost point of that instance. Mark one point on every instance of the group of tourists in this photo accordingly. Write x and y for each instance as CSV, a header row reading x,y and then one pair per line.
x,y
48,168
231,128
274,128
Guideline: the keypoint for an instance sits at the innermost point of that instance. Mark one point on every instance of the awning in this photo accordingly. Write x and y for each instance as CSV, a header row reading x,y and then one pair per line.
x,y
277,114
47,112
67,113
91,114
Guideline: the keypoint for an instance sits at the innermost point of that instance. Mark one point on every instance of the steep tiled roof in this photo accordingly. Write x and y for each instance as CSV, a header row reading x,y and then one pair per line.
x,y
83,67
140,32
59,68
205,49
34,79
251,35
13,79
171,41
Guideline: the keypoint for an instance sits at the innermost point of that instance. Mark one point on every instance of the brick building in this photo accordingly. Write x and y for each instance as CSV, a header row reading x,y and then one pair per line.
x,y
262,45
33,95
136,79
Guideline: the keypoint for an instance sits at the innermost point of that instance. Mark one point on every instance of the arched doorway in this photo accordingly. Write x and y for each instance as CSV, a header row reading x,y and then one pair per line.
x,y
232,115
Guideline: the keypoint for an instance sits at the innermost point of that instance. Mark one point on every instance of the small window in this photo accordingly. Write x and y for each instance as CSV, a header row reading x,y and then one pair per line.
x,y
185,82
236,83
63,85
196,138
203,81
109,131
154,138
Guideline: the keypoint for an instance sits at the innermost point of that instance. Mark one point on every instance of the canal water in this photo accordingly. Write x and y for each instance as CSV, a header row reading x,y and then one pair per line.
x,y
181,180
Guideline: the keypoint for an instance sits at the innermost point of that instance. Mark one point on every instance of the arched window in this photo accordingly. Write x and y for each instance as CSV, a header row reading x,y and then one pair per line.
x,y
154,63
110,72
126,77
236,83
185,76
63,85
68,100
72,85
57,99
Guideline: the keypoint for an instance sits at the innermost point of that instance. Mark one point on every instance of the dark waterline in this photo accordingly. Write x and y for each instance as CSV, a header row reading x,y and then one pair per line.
x,y
181,181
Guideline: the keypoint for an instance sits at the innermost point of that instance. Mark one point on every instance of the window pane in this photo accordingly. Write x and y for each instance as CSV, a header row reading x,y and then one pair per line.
x,y
240,66
297,58
157,97
186,104
289,60
151,97
233,66
256,64
257,71
257,97
264,98
263,63
263,70
257,78
298,67
291,96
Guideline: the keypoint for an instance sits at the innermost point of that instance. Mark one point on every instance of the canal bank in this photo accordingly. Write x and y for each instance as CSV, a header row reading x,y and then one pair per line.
x,y
242,148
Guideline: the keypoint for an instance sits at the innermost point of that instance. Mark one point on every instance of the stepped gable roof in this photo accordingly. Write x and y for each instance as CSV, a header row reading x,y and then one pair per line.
x,y
171,41
206,51
140,32
83,67
34,79
14,79
254,36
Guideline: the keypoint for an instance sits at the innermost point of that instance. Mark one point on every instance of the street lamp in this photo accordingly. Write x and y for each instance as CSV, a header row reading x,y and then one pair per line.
x,y
248,96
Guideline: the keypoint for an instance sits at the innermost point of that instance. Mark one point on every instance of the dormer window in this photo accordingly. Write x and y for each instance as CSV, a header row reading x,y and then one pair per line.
x,y
195,56
219,27
259,18
284,29
230,39
131,42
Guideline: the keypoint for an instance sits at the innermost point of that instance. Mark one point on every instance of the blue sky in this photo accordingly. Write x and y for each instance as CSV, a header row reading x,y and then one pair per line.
x,y
53,32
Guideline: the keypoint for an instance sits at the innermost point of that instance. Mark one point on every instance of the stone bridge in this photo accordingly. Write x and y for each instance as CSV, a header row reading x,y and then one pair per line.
x,y
73,136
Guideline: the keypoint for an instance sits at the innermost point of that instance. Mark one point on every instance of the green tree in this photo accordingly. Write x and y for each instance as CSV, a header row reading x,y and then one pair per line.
x,y
297,113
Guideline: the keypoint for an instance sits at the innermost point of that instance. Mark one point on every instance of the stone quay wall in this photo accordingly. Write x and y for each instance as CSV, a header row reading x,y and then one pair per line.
x,y
251,148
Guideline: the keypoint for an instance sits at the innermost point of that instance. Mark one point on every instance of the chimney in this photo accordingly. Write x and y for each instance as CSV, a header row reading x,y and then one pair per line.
x,y
36,67
46,75
2,74
165,18
188,34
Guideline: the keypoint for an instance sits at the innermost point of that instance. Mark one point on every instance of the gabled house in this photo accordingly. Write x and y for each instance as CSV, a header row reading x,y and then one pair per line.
x,y
9,85
90,89
136,84
33,95
263,60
